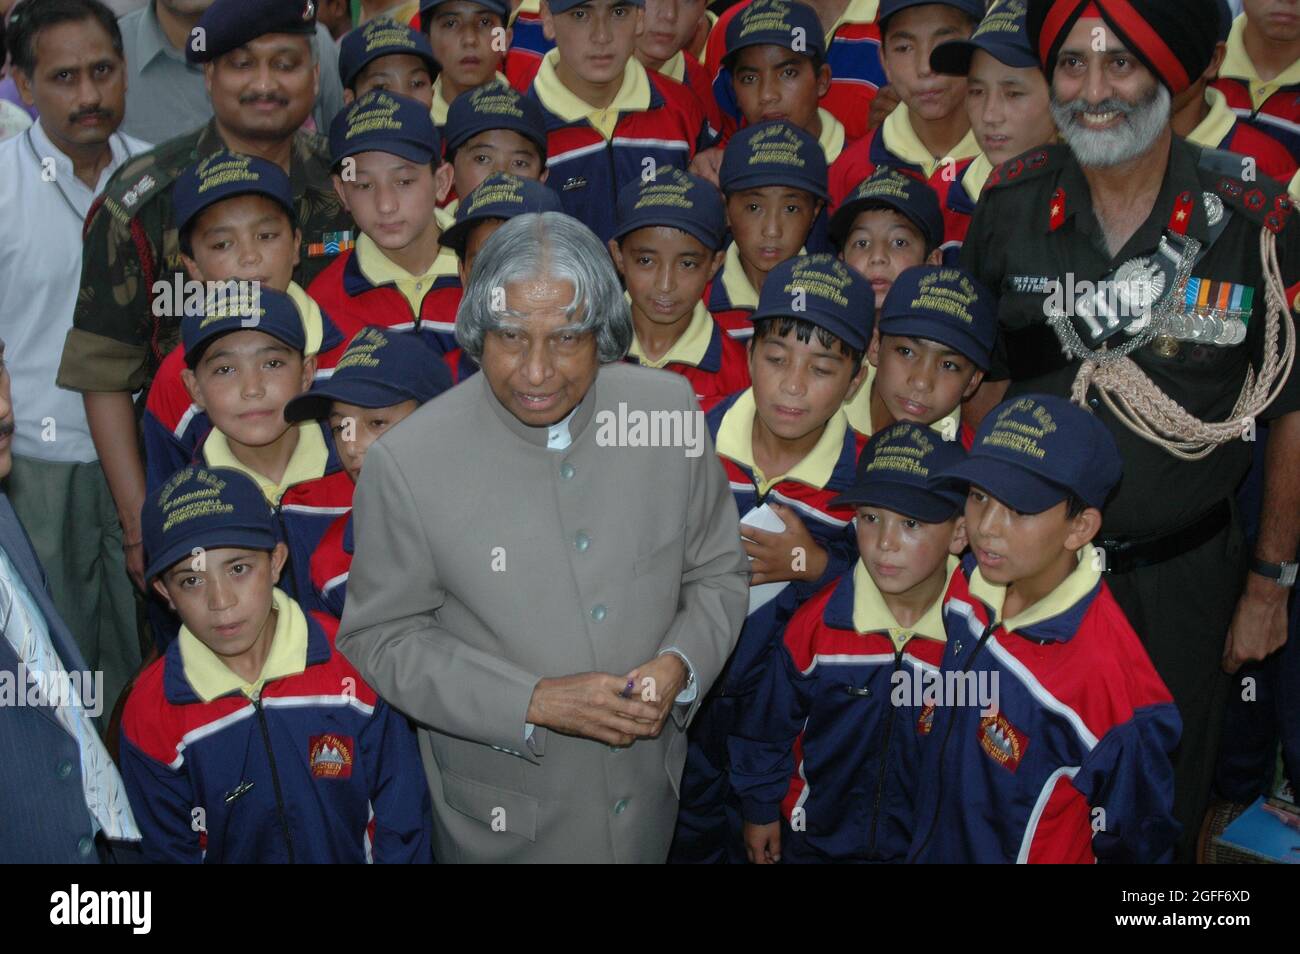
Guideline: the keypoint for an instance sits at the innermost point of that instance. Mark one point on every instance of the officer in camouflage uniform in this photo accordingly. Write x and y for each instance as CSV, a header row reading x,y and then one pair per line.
x,y
263,85
1188,276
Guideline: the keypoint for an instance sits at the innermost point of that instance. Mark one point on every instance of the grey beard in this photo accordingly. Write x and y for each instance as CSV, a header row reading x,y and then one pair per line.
x,y
1102,149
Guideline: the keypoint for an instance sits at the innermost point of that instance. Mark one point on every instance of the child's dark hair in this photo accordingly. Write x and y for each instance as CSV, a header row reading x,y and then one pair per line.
x,y
971,23
185,238
1074,505
30,17
803,332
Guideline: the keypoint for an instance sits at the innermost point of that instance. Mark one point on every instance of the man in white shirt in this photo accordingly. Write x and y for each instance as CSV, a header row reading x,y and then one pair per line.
x,y
68,62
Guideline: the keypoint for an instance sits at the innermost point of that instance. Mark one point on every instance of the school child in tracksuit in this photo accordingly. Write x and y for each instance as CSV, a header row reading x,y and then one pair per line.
x,y
825,759
252,740
382,378
788,452
668,247
496,200
236,222
853,53
385,54
773,177
929,131
243,366
934,340
1270,105
492,129
609,121
389,174
469,40
1074,764
528,44
671,27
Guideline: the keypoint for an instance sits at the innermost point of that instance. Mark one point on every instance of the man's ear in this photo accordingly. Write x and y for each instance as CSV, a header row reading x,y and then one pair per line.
x,y
278,558
309,371
191,382
935,257
960,541
24,84
873,348
546,172
1216,62
856,384
348,96
976,380
823,80
192,268
462,271
297,247
548,20
1083,528
442,180
719,257
208,69
162,591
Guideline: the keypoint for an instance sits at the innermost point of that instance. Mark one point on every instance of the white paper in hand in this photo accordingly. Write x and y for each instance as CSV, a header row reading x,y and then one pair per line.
x,y
763,517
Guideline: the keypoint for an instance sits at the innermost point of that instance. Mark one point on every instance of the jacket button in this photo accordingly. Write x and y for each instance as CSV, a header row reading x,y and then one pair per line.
x,y
85,846
64,769
566,471
1093,402
598,612
620,806
581,542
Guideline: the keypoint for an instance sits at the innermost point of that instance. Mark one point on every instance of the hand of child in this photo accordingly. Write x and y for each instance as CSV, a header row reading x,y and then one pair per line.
x,y
708,165
792,554
885,102
763,843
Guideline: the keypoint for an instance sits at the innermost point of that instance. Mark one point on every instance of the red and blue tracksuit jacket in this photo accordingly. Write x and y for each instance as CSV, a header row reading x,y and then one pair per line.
x,y
353,302
173,426
709,821
1277,117
330,564
828,735
853,53
1271,157
722,372
238,781
860,159
1075,765
528,44
587,170
734,320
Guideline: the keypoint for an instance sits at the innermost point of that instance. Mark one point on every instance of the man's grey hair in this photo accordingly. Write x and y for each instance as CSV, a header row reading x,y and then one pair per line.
x,y
546,245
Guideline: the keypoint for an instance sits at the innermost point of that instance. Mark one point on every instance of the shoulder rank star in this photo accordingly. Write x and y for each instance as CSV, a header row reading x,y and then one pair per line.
x,y
1058,209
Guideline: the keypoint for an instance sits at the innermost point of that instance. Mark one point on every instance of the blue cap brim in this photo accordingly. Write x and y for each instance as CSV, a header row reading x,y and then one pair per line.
x,y
954,57
850,335
915,326
402,148
314,405
211,538
928,506
765,178
1018,488
711,240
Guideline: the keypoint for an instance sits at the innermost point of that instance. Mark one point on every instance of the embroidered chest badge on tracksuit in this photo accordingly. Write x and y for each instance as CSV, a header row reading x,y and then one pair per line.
x,y
331,755
1002,741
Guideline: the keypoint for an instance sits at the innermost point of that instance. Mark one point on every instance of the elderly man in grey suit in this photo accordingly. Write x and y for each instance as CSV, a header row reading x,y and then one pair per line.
x,y
61,798
548,572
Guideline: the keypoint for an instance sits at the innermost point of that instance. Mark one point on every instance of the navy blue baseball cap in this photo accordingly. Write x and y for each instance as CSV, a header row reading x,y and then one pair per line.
x,y
772,154
224,175
499,7
944,304
1001,34
561,6
380,367
784,23
230,24
204,508
226,311
972,8
493,106
1032,452
381,121
677,200
381,37
1225,20
891,188
894,472
823,290
499,196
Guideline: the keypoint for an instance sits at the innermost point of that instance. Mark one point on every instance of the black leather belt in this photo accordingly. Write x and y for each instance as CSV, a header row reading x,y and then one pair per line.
x,y
1126,553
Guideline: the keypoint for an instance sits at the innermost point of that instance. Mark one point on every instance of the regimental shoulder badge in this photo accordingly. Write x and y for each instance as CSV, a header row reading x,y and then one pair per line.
x,y
1002,741
1026,167
331,755
1263,201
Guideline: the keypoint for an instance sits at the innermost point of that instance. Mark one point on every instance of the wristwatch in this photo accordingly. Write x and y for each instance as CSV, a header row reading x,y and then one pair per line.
x,y
1283,573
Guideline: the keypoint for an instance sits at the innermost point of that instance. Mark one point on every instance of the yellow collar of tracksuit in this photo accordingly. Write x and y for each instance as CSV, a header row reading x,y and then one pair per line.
x,y
675,67
1072,589
1238,65
872,615
1217,122
735,282
832,138
858,409
901,139
633,96
313,325
379,269
690,348
976,174
309,459
211,678
438,111
736,441
858,11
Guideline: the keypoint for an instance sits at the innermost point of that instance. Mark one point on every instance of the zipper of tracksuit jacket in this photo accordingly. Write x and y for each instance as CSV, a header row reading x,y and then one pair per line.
x,y
275,777
884,758
943,748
